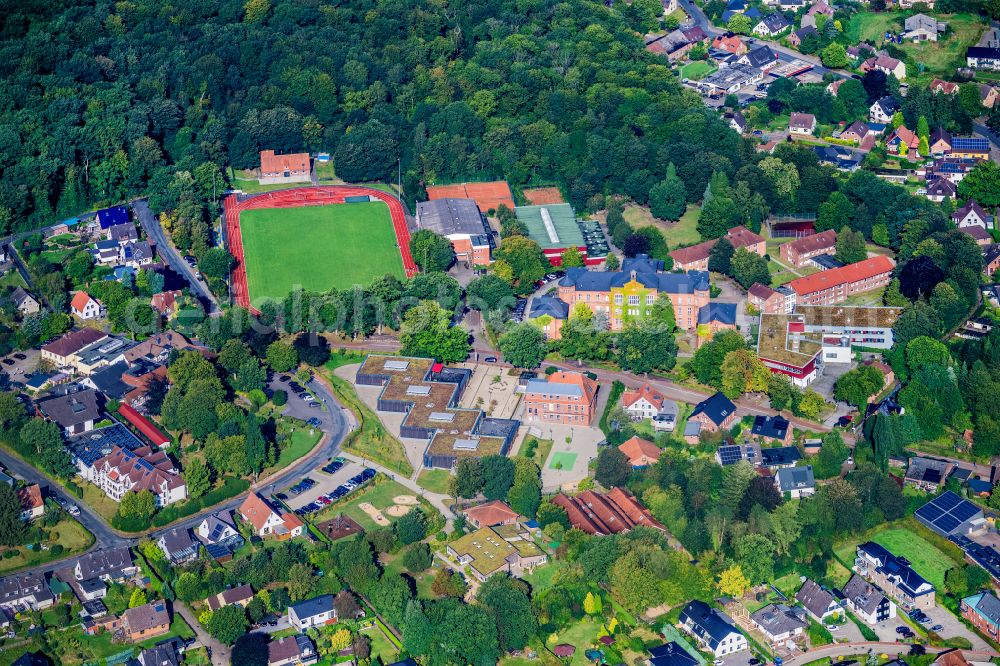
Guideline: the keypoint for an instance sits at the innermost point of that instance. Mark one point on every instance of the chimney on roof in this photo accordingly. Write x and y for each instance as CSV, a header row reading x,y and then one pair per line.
x,y
632,274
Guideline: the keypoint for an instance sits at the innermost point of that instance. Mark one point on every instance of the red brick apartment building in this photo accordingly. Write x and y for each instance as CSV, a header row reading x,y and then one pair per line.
x,y
799,251
562,398
983,611
695,257
837,284
613,512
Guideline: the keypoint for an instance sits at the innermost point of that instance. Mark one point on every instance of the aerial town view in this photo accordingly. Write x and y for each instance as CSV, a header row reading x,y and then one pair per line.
x,y
517,332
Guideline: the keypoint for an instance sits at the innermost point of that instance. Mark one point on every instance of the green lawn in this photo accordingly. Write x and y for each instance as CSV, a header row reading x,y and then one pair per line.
x,y
435,480
541,577
317,247
926,559
542,447
562,460
68,533
696,70
12,278
682,232
301,441
379,496
381,646
371,440
582,635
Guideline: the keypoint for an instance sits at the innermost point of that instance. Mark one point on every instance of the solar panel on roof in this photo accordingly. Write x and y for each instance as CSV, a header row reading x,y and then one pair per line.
x,y
929,512
964,511
947,523
729,455
948,501
217,551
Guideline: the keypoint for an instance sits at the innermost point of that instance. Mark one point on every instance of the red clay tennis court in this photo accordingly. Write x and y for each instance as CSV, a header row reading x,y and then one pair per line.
x,y
488,196
543,196
305,196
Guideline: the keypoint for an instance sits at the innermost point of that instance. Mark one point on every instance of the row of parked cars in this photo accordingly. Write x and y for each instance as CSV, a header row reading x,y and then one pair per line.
x,y
920,617
337,493
299,391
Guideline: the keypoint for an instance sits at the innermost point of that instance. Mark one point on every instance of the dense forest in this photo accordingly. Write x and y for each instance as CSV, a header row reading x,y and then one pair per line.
x,y
101,101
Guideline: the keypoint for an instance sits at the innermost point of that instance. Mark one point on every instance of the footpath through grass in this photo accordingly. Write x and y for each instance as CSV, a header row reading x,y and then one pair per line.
x,y
317,247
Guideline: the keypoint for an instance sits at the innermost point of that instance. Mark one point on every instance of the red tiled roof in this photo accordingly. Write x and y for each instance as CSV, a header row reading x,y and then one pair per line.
x,y
693,253
906,136
947,87
80,300
30,496
646,391
742,237
143,425
165,302
761,291
488,196
614,512
490,514
586,384
256,511
862,270
271,163
821,241
635,448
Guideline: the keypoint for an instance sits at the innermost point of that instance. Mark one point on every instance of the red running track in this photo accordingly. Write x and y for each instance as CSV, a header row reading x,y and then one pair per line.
x,y
305,196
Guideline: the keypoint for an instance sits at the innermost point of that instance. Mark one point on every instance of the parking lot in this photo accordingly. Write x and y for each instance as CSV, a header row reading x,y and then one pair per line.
x,y
951,627
325,483
19,366
887,630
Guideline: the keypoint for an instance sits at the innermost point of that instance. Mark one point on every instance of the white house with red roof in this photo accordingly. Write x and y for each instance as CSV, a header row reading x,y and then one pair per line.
x,y
86,306
32,504
122,471
266,520
644,403
165,302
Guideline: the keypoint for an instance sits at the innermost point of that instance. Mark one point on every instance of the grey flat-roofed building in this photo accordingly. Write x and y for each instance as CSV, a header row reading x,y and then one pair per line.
x,y
450,216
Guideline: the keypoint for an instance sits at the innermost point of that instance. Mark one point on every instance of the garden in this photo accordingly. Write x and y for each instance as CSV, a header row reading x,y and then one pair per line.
x,y
55,536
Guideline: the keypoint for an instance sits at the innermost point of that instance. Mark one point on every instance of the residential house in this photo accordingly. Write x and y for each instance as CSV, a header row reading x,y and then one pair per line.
x,y
297,650
837,284
737,121
798,252
797,482
803,33
717,412
885,64
32,504
834,86
671,654
121,233
922,28
927,474
983,58
75,412
640,452
939,142
972,214
109,217
978,234
867,601
491,550
106,252
218,528
146,621
950,168
943,87
818,601
156,348
609,513
988,95
772,429
780,457
765,299
857,132
166,303
178,545
294,168
114,564
86,307
970,147
882,110
809,18
982,610
314,612
25,591
491,514
239,596
802,124
164,654
135,254
729,43
761,57
643,403
549,314
894,576
903,142
266,520
566,398
991,258
771,26
713,318
713,629
779,623
124,470
24,302
730,454
940,189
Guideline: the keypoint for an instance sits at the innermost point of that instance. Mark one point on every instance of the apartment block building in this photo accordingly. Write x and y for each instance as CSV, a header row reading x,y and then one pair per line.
x,y
837,284
799,251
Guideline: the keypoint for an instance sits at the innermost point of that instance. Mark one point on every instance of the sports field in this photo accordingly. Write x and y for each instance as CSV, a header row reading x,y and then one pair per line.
x,y
317,247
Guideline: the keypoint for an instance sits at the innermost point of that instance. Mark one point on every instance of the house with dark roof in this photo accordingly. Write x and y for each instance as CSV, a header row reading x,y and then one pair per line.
x,y
121,233
713,318
217,528
940,189
730,454
772,429
972,214
761,57
803,33
160,655
982,610
313,612
239,596
110,217
109,381
802,124
25,591
24,302
882,110
75,413
114,564
927,474
549,313
779,622
795,481
780,457
771,26
146,621
713,629
939,142
671,654
298,650
178,545
894,575
818,601
716,412
867,601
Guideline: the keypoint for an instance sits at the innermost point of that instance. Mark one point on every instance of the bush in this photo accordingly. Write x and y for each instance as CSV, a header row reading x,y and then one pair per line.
x,y
280,398
417,558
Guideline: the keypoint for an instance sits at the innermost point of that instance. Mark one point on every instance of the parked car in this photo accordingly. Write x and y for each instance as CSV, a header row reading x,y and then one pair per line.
x,y
314,404
19,356
281,496
937,627
490,359
283,378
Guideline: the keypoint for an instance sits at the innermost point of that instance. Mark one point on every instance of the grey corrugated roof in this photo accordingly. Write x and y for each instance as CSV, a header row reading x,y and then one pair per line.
x,y
553,388
549,305
450,216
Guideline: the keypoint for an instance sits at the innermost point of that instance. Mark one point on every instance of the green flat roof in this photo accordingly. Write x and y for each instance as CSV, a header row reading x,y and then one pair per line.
x,y
564,224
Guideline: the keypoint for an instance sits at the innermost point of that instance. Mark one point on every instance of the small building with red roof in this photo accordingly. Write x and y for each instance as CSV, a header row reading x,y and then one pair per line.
x,y
640,452
166,303
292,168
32,504
643,403
266,520
85,306
491,514
146,427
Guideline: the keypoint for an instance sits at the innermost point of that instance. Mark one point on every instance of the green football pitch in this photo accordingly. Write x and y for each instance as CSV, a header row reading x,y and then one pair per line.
x,y
317,248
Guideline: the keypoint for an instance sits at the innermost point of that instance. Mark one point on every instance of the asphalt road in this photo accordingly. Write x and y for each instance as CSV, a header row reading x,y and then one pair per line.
x,y
334,425
151,225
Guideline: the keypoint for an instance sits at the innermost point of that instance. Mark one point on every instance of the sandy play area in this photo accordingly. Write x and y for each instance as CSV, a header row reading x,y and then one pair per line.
x,y
374,514
403,505
406,500
397,510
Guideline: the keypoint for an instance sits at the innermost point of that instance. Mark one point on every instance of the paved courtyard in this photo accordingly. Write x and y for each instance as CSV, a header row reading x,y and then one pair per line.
x,y
568,462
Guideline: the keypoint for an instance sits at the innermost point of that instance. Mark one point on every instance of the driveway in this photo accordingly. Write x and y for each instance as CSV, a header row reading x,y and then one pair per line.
x,y
151,225
953,627
741,658
218,650
19,371
887,630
